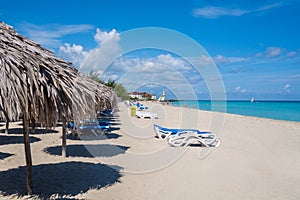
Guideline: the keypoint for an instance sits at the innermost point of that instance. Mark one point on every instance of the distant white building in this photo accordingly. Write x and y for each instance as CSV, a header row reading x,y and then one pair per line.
x,y
142,96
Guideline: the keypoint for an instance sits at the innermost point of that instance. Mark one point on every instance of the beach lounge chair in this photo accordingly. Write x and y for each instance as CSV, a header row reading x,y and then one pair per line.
x,y
187,138
103,127
165,133
70,125
91,126
183,137
87,131
95,124
96,130
141,107
146,114
106,113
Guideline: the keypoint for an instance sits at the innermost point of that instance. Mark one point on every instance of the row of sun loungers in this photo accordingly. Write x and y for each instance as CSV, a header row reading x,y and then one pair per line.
x,y
178,137
175,137
91,126
143,112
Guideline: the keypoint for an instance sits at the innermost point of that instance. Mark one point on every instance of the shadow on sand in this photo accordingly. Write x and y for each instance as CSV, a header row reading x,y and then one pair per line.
x,y
10,139
114,128
60,180
36,131
5,155
89,150
38,125
91,136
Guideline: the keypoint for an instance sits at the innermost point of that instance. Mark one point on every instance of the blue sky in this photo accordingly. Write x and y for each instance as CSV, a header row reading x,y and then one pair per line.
x,y
255,45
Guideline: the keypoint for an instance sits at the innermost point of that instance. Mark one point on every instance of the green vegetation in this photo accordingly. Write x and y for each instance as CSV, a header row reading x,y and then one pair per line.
x,y
95,76
117,87
121,91
111,83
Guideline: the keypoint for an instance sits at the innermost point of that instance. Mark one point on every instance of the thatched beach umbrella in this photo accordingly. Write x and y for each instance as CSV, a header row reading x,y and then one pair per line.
x,y
105,97
37,86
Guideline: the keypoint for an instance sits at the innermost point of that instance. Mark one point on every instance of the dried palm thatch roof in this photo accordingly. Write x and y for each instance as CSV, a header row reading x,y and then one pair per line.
x,y
28,70
38,86
105,98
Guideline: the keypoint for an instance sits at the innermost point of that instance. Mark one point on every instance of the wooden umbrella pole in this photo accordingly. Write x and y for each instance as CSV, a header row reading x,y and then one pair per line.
x,y
32,130
6,126
64,138
27,155
6,122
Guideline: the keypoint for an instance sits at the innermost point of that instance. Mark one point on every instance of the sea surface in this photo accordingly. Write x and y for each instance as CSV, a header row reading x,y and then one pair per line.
x,y
279,110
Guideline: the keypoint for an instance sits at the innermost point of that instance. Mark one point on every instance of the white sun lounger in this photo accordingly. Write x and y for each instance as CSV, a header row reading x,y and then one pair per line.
x,y
146,114
187,138
182,137
165,133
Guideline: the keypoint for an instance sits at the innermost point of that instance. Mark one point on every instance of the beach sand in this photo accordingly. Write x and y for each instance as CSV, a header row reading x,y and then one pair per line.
x,y
257,159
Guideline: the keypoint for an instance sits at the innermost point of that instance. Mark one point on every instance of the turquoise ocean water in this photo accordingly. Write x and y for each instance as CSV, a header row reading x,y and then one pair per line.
x,y
279,110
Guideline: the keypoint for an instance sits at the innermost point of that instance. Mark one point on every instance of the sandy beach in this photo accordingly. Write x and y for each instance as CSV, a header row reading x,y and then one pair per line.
x,y
257,159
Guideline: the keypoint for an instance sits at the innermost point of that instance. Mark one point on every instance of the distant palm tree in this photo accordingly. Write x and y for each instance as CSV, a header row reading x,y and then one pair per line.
x,y
118,87
110,83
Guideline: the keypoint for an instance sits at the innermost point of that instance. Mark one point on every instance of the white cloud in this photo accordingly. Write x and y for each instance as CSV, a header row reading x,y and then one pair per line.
x,y
152,65
202,61
98,59
176,63
147,66
291,54
243,90
50,35
272,52
72,53
287,88
103,36
239,89
220,59
237,59
213,12
164,69
259,55
268,7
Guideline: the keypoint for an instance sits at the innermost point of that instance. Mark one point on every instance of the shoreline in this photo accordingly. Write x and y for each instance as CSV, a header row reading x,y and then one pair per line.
x,y
242,115
254,117
255,154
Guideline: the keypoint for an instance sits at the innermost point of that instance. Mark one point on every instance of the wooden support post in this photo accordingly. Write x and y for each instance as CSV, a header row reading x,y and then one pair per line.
x,y
27,155
6,126
32,130
6,122
64,139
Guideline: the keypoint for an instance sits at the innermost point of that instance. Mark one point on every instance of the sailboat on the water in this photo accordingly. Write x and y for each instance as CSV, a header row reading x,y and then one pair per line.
x,y
162,97
252,100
